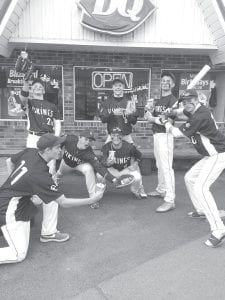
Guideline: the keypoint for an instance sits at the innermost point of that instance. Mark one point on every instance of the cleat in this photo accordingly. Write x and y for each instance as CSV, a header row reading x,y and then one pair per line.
x,y
214,242
196,215
56,237
166,206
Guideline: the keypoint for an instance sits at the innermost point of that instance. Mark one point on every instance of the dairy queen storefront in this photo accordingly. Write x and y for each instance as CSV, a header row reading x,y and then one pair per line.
x,y
79,47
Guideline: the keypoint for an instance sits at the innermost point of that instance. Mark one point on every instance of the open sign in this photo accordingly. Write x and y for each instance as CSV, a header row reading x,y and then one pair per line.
x,y
102,80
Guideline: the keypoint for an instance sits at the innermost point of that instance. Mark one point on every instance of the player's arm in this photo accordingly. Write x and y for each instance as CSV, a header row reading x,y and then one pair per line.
x,y
176,132
132,118
98,167
71,202
24,94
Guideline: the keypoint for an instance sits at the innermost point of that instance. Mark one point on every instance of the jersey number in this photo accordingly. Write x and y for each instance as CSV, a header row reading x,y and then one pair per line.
x,y
19,172
49,122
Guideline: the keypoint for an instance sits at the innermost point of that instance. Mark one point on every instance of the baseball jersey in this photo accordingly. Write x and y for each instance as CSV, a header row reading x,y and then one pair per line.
x,y
202,130
123,155
30,177
106,115
41,115
160,106
73,156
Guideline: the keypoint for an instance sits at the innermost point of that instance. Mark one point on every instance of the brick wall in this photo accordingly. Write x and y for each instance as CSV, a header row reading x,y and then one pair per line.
x,y
13,133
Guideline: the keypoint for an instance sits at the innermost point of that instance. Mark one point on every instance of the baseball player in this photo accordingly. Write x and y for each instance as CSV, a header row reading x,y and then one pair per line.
x,y
163,145
203,132
124,161
79,155
30,177
116,113
43,117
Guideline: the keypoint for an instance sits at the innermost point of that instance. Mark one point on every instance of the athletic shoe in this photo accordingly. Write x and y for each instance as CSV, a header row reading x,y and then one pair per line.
x,y
214,242
156,194
95,205
142,193
166,206
56,237
196,215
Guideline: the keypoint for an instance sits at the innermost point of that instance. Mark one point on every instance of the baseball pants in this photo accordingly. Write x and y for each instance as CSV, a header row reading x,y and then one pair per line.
x,y
198,181
50,211
86,169
17,235
163,152
135,186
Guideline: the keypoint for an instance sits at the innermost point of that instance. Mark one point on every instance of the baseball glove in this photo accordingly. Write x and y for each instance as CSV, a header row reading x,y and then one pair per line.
x,y
24,65
123,181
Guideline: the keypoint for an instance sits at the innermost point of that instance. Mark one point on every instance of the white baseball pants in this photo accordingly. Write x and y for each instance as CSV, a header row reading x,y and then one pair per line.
x,y
87,170
163,152
17,235
198,181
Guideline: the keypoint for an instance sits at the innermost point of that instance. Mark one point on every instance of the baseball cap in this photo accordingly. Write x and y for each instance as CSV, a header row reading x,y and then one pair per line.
x,y
49,140
115,80
38,80
88,134
116,130
169,74
188,94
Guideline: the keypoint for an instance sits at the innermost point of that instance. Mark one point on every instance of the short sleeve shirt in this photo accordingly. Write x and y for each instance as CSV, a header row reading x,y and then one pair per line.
x,y
41,115
30,177
202,130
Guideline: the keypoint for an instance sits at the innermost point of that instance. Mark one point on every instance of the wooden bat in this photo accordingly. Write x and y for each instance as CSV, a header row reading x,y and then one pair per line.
x,y
199,76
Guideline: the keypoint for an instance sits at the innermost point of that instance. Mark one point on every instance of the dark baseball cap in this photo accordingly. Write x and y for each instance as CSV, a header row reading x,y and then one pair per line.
x,y
38,80
116,130
188,94
169,74
88,134
118,79
49,140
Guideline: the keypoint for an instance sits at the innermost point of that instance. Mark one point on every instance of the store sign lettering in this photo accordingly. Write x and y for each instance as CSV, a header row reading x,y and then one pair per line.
x,y
115,17
103,80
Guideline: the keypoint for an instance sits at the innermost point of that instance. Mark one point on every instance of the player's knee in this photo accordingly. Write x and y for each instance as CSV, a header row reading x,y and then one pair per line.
x,y
87,169
137,176
21,256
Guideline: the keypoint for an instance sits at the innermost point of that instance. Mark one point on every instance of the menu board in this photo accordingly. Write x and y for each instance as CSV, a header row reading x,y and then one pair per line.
x,y
11,83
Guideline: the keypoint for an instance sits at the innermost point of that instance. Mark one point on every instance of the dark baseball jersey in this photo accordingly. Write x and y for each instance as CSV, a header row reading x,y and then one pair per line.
x,y
106,115
160,106
123,155
41,115
30,177
74,156
202,130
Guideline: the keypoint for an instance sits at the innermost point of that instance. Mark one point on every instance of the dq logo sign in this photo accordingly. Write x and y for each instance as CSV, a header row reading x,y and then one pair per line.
x,y
114,16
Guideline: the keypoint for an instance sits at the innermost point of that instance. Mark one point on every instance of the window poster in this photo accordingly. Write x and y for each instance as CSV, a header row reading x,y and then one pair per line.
x,y
93,85
11,83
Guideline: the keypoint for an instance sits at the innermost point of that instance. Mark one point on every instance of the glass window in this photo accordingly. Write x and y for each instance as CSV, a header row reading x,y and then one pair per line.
x,y
204,86
93,85
11,83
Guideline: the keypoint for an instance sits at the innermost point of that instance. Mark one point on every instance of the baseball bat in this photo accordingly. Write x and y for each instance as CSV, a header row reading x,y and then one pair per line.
x,y
199,76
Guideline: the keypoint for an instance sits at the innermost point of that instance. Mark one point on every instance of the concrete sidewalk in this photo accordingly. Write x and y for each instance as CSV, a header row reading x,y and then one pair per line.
x,y
124,250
